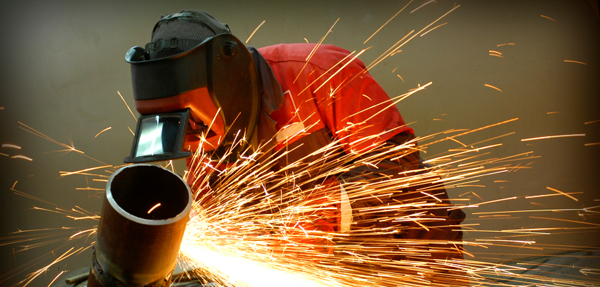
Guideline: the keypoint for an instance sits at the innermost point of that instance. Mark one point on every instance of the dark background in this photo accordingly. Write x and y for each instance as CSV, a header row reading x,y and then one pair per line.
x,y
62,64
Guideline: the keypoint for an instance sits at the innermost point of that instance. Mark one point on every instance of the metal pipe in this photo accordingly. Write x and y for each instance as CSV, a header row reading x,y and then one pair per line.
x,y
144,215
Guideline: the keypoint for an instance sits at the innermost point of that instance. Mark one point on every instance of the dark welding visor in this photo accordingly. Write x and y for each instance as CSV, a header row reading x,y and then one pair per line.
x,y
216,81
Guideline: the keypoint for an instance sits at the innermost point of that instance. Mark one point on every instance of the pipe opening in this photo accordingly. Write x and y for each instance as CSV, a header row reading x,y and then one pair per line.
x,y
149,192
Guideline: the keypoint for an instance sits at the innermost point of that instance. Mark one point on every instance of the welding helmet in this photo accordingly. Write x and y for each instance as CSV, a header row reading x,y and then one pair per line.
x,y
193,80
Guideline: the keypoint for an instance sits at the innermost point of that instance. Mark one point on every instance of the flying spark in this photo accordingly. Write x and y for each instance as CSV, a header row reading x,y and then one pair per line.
x,y
154,207
22,157
106,129
544,16
11,146
493,87
384,24
440,25
552,137
576,62
253,32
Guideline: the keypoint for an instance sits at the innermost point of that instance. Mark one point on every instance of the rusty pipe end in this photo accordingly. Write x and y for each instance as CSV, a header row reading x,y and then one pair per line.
x,y
144,215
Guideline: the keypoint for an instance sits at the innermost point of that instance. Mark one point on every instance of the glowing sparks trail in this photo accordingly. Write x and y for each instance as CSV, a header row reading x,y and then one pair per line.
x,y
246,272
544,16
69,148
562,193
21,157
256,226
264,231
422,5
576,62
106,129
154,207
11,146
552,137
253,32
316,48
384,24
496,54
67,173
493,87
440,25
128,108
394,48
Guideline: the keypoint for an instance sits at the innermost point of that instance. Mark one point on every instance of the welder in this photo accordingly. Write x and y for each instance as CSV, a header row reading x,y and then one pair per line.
x,y
195,77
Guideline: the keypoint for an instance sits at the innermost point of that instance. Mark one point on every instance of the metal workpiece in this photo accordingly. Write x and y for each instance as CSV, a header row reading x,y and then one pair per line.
x,y
143,219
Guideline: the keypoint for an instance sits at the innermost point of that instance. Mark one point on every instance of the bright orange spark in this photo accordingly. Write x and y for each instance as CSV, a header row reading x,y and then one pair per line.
x,y
394,53
493,87
154,207
91,230
132,114
544,16
66,173
398,44
472,131
387,21
315,49
347,63
106,129
497,137
19,156
90,188
591,122
56,277
496,53
497,200
566,220
550,194
69,147
387,53
401,78
591,144
253,32
421,6
440,25
576,62
504,44
562,193
11,146
552,137
93,217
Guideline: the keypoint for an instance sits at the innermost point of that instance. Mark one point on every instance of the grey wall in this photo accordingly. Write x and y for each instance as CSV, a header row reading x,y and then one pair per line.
x,y
62,65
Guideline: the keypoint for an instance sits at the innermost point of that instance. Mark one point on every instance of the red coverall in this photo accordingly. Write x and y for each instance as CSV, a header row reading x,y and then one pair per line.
x,y
331,96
